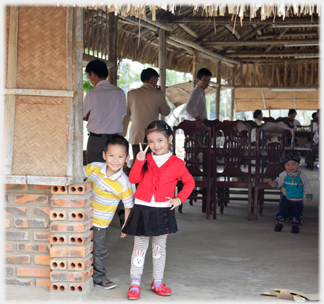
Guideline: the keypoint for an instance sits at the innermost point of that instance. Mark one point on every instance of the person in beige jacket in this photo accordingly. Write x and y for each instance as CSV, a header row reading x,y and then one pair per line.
x,y
144,106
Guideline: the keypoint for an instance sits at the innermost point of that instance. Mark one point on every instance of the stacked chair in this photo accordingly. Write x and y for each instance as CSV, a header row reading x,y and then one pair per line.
x,y
233,163
198,158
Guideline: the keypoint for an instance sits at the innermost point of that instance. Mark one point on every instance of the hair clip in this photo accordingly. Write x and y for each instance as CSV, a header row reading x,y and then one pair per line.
x,y
166,127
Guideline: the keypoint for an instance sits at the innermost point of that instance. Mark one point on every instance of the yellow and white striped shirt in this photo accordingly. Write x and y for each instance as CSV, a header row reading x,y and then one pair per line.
x,y
107,192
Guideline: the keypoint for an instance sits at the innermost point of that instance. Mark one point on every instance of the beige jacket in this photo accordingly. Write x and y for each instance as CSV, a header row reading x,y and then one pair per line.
x,y
144,106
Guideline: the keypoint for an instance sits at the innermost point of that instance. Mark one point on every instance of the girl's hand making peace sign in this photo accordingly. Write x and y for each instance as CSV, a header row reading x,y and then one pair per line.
x,y
141,155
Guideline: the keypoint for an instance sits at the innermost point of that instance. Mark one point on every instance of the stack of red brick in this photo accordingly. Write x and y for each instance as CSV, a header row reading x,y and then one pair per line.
x,y
48,236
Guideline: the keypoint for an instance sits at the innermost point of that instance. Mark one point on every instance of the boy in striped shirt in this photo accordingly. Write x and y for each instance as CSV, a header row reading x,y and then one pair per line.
x,y
109,185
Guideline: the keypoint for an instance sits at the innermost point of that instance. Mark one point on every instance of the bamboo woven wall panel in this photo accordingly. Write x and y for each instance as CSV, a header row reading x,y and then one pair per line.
x,y
42,48
248,105
280,104
307,104
307,95
40,142
248,94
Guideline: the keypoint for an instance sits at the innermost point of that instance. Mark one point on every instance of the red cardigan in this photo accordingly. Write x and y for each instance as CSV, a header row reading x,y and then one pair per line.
x,y
161,181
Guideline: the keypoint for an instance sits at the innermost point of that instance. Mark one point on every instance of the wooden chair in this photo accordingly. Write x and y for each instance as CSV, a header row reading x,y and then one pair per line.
x,y
197,147
270,149
232,174
314,146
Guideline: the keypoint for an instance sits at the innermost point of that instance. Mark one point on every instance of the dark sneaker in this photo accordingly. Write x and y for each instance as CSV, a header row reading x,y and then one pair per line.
x,y
295,229
106,284
278,227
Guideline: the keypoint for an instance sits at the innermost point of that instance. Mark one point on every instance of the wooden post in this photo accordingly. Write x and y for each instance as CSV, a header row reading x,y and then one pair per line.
x,y
233,94
78,96
218,88
69,80
195,67
10,101
112,77
162,59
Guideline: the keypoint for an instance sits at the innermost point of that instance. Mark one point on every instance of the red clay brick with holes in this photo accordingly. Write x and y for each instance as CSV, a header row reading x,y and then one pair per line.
x,y
81,287
57,215
59,190
80,215
81,239
58,239
80,189
58,264
80,264
59,287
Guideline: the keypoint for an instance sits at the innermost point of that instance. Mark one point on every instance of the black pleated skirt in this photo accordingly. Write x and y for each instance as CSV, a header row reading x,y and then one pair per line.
x,y
150,221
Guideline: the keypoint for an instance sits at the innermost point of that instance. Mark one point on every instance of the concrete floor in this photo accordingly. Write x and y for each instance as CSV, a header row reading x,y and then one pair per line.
x,y
229,259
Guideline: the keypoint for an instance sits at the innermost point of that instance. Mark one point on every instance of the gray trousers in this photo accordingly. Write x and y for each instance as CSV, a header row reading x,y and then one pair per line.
x,y
100,254
158,256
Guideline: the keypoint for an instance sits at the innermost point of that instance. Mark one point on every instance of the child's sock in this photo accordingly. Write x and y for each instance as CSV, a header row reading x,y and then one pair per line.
x,y
157,283
135,281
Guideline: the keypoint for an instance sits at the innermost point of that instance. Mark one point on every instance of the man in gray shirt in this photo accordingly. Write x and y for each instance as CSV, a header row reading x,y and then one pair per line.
x,y
196,104
104,107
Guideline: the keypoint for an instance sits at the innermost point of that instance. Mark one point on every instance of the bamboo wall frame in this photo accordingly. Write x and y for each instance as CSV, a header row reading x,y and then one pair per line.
x,y
73,91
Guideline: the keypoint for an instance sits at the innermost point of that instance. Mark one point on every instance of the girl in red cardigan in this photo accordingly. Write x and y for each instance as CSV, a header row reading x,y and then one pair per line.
x,y
153,214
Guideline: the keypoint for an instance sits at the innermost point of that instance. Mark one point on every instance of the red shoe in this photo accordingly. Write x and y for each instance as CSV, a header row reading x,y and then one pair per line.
x,y
133,294
162,290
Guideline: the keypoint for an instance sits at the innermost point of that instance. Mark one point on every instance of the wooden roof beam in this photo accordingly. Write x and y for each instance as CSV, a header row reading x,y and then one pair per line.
x,y
158,23
202,50
258,42
189,31
228,20
279,37
289,34
259,54
233,31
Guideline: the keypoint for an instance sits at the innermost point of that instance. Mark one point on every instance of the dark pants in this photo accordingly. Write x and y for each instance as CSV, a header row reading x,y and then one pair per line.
x,y
291,209
100,254
135,149
95,147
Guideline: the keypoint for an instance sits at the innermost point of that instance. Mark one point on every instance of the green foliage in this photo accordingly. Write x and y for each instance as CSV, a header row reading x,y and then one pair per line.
x,y
86,83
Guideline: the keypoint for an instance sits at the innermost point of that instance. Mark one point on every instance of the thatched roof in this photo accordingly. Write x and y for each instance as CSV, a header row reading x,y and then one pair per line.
x,y
252,45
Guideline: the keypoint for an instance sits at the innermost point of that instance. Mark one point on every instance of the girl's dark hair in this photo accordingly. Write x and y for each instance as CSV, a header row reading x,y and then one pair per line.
x,y
157,126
